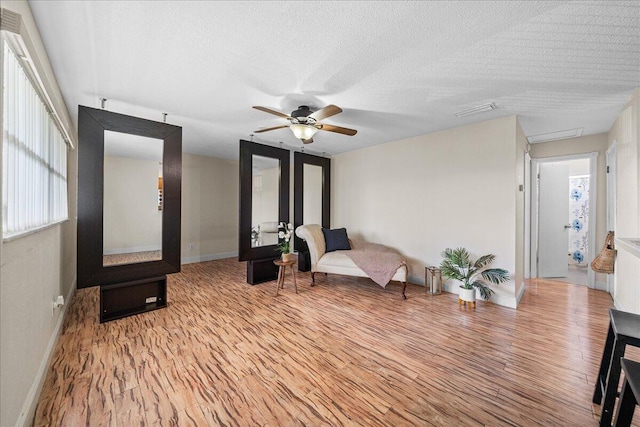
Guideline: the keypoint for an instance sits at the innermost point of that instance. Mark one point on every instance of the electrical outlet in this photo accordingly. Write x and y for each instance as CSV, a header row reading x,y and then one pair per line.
x,y
57,303
191,245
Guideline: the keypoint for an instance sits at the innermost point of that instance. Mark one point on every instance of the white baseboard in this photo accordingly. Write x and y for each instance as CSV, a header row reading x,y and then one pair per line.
x,y
211,257
519,296
503,300
619,305
601,286
28,412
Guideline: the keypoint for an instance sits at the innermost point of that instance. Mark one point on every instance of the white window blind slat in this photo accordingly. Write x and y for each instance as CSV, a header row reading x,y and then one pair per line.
x,y
34,161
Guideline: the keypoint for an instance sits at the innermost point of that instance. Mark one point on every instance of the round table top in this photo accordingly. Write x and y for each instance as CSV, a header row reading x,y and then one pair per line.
x,y
280,262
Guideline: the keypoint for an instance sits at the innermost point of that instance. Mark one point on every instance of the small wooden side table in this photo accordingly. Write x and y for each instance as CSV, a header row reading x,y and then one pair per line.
x,y
282,271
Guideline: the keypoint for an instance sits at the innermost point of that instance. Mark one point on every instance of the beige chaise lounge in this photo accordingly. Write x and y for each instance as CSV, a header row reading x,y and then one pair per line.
x,y
340,261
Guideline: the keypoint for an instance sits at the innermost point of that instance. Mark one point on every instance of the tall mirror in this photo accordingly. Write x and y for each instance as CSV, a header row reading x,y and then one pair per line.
x,y
128,227
312,194
264,199
132,200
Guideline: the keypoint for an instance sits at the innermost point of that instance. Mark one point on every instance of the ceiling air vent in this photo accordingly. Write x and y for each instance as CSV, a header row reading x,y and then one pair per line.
x,y
477,109
10,21
554,136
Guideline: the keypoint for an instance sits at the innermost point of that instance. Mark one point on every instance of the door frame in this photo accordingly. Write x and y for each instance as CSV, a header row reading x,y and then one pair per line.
x,y
593,180
612,195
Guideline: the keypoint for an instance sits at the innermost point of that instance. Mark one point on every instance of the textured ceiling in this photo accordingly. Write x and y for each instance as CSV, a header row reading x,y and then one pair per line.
x,y
398,69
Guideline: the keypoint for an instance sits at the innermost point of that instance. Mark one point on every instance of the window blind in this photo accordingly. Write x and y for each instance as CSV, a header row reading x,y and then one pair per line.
x,y
34,156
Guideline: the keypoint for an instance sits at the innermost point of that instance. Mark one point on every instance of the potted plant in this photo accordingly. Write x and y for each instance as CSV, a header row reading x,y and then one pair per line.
x,y
457,264
285,231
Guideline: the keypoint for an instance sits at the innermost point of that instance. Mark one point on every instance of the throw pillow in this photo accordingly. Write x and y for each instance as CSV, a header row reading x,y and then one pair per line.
x,y
336,240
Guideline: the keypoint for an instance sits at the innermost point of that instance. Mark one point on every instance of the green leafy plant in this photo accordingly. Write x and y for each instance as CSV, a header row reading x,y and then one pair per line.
x,y
457,264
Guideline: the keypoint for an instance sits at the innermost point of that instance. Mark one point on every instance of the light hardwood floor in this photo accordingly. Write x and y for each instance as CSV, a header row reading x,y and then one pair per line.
x,y
345,352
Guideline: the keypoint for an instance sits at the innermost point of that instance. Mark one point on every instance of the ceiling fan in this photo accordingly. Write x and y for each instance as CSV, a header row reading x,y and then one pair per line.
x,y
305,123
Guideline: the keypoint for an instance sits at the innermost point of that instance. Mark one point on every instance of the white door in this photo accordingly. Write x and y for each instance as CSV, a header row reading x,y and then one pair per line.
x,y
553,217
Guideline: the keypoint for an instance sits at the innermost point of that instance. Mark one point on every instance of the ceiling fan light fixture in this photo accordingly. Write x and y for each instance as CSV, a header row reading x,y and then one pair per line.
x,y
303,131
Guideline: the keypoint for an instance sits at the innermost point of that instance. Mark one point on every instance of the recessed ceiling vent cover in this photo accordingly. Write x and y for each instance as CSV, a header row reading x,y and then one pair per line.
x,y
477,109
554,136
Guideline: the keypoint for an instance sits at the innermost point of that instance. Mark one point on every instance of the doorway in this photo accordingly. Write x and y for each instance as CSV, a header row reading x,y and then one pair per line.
x,y
563,201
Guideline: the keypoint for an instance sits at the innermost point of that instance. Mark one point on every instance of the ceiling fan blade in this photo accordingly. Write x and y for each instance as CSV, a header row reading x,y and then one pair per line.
x,y
270,111
273,128
328,111
307,141
338,129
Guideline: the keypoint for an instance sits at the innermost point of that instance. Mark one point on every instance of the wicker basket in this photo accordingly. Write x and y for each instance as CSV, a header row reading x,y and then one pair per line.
x,y
603,263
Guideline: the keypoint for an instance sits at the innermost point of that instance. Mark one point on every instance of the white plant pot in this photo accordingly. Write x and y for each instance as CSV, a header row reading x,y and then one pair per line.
x,y
468,295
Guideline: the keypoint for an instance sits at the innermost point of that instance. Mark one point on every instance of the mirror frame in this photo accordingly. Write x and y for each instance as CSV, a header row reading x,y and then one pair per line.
x,y
92,123
299,160
247,150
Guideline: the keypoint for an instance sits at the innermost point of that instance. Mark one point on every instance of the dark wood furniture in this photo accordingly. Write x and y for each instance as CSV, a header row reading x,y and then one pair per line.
x,y
299,160
259,257
261,270
129,298
122,282
630,393
624,329
282,272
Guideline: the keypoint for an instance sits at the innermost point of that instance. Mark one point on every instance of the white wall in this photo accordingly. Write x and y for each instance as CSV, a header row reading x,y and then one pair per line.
x,y
33,271
132,221
209,208
625,133
519,189
424,194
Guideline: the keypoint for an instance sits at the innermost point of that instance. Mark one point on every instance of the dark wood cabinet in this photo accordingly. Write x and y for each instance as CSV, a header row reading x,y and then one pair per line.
x,y
261,270
138,296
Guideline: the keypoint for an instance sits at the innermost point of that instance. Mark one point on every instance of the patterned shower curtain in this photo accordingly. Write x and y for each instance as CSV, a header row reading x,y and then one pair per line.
x,y
579,215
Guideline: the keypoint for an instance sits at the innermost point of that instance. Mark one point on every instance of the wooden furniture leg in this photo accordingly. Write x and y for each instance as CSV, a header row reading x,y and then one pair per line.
x,y
313,278
611,389
624,329
278,281
604,367
626,407
295,284
630,393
